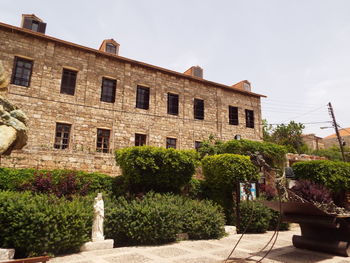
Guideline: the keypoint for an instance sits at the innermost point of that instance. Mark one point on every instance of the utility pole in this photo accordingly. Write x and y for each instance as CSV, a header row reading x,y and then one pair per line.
x,y
335,125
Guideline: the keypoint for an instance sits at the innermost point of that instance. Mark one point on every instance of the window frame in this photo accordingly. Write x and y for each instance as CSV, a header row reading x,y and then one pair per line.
x,y
140,139
107,89
67,84
171,142
103,140
232,113
21,81
249,118
173,104
198,109
142,97
59,140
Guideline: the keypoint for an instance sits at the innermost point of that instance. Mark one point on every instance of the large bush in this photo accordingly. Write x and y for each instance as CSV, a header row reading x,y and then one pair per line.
x,y
156,219
39,224
58,182
222,173
148,168
334,175
273,154
255,216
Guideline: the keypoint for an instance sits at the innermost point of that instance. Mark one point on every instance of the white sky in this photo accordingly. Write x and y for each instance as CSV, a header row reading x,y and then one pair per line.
x,y
296,52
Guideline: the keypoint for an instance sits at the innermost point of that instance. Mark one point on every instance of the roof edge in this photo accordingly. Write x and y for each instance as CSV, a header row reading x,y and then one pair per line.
x,y
127,60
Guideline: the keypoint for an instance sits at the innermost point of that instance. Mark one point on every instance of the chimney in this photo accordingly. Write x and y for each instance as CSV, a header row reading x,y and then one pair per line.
x,y
195,71
243,85
110,46
34,23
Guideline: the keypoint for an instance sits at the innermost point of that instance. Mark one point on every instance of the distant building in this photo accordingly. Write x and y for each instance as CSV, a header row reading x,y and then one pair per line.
x,y
332,140
313,142
84,103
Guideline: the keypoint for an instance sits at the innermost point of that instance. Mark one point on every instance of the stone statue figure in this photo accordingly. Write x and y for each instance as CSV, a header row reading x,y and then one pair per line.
x,y
13,128
99,214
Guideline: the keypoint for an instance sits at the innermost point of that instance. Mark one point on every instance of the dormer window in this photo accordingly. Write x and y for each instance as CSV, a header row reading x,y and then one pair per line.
x,y
110,48
33,23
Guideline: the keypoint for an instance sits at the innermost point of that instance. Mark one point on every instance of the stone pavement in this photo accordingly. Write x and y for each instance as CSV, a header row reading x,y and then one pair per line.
x,y
206,251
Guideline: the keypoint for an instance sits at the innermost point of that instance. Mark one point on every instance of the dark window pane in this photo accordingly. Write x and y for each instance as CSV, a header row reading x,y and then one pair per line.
x,y
173,104
22,72
170,143
62,136
198,108
35,26
197,145
142,98
110,48
68,82
233,115
249,118
140,139
108,90
102,144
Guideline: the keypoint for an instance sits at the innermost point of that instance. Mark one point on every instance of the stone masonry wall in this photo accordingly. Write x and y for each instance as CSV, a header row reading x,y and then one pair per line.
x,y
45,106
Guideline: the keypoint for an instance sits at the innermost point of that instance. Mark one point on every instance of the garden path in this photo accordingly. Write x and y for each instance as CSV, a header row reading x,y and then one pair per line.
x,y
206,251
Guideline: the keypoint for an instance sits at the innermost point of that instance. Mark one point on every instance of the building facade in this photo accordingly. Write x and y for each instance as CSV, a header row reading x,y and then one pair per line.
x,y
84,103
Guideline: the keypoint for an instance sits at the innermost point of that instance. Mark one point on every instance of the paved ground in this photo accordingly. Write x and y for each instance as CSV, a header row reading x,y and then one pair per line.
x,y
206,251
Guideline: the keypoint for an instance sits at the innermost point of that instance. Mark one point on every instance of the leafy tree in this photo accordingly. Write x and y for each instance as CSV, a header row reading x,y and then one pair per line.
x,y
333,153
289,135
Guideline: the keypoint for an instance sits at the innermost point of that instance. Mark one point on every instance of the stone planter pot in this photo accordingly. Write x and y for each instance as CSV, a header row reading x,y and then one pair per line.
x,y
319,231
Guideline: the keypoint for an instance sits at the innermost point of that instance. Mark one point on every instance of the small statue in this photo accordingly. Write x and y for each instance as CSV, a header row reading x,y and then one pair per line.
x,y
13,128
99,214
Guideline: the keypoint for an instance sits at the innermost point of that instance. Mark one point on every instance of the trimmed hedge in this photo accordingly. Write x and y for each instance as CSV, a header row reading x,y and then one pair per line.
x,y
222,172
334,175
273,154
258,215
58,182
156,219
228,169
36,224
148,168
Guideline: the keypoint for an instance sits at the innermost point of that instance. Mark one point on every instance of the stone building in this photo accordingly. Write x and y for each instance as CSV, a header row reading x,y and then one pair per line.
x,y
313,142
84,103
332,140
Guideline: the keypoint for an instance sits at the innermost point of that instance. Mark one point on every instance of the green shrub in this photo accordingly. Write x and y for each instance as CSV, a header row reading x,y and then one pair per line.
x,y
222,173
273,154
39,224
334,175
148,168
58,182
157,218
274,221
259,215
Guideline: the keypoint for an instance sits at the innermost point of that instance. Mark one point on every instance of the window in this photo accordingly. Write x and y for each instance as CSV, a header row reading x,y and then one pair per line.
x,y
197,145
170,143
173,104
69,78
249,118
142,98
140,139
110,48
62,136
102,143
34,25
233,115
108,90
22,72
198,108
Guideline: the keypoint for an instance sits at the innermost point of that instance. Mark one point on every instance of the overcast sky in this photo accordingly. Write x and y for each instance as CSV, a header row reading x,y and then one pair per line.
x,y
296,52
